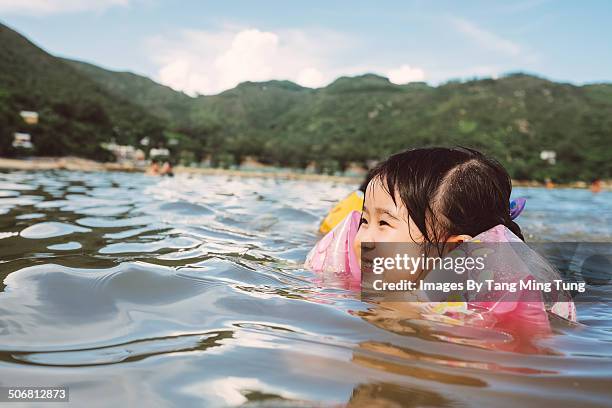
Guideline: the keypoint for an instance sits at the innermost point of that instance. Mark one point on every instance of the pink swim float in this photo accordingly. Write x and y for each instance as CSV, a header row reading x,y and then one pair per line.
x,y
334,260
333,257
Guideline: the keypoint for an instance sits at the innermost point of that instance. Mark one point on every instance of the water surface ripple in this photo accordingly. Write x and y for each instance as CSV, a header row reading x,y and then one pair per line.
x,y
190,291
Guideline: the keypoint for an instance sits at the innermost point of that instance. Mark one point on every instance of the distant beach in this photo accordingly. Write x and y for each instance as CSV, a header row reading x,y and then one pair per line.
x,y
80,164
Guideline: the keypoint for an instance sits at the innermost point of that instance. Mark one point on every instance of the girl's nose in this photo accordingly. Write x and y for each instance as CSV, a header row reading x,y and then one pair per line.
x,y
364,236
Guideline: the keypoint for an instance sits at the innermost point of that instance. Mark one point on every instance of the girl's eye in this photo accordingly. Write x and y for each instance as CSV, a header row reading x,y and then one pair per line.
x,y
363,221
383,223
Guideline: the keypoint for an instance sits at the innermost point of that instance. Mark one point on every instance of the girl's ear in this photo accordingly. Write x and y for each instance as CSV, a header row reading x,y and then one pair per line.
x,y
459,238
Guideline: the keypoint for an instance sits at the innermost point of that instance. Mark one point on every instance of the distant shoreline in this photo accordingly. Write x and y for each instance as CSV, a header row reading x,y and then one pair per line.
x,y
79,164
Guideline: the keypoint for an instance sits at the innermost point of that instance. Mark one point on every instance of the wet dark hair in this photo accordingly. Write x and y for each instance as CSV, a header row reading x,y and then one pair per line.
x,y
449,191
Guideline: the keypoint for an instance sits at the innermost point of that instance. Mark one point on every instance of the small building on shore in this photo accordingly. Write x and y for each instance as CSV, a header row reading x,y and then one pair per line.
x,y
549,156
159,153
125,153
29,117
22,141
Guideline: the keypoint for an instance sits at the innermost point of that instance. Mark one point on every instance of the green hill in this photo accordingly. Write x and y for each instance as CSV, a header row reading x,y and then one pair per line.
x,y
76,113
354,119
159,100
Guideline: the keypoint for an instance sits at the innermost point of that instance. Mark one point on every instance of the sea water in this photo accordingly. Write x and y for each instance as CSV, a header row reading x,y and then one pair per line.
x,y
135,290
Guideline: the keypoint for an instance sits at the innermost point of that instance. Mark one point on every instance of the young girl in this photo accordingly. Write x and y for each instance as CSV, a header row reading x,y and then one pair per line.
x,y
437,198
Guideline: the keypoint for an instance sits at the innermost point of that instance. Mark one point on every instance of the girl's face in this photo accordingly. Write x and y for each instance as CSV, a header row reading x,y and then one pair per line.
x,y
383,220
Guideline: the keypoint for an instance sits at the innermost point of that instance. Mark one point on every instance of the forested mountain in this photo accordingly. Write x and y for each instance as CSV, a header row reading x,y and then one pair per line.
x,y
354,119
77,113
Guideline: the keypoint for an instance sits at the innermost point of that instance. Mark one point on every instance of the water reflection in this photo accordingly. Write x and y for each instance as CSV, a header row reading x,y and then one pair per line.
x,y
190,291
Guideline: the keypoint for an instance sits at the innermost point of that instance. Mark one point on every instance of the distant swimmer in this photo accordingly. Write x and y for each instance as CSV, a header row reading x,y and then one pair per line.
x,y
549,183
153,169
596,185
166,169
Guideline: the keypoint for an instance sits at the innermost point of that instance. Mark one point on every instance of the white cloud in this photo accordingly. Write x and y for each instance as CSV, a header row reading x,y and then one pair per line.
x,y
41,7
250,55
310,77
208,62
405,74
486,39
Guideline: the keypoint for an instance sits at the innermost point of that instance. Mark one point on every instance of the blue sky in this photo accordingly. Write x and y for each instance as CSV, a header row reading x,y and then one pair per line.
x,y
208,46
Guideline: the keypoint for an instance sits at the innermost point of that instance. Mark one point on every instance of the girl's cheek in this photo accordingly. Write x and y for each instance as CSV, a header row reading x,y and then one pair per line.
x,y
391,235
384,235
